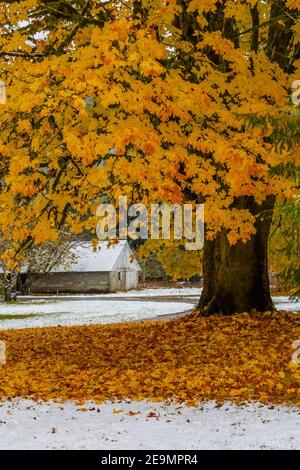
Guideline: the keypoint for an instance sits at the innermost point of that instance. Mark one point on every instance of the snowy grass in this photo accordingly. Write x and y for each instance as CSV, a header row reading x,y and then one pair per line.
x,y
84,312
25,424
153,292
142,425
67,310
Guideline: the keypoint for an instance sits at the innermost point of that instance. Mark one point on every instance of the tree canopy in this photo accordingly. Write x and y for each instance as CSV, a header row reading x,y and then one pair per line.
x,y
141,98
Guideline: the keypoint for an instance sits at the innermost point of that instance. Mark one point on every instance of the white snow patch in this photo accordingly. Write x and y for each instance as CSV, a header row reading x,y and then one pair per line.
x,y
285,303
155,292
82,312
86,309
165,291
25,424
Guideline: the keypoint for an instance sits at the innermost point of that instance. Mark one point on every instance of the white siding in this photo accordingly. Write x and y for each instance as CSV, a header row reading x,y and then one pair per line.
x,y
132,279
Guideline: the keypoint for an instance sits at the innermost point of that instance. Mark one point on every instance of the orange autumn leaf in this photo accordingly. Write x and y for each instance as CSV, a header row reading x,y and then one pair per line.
x,y
238,358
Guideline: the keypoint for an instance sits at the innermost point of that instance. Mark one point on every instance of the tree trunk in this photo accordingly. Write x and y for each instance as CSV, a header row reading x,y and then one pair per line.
x,y
8,294
9,284
236,277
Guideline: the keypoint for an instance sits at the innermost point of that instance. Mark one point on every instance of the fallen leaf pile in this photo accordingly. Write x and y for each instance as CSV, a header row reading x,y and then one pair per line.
x,y
238,358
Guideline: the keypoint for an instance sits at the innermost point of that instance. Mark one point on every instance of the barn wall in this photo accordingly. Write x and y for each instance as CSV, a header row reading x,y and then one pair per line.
x,y
115,283
69,282
132,279
127,260
129,280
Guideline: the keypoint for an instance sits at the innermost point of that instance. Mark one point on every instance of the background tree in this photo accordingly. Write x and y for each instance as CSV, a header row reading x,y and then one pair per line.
x,y
35,258
284,237
285,245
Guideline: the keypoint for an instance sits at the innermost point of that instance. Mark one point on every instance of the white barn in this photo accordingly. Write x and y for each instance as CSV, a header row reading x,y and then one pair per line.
x,y
108,269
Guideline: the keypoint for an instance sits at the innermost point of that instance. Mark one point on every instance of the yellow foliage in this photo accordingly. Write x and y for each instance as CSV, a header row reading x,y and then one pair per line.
x,y
131,106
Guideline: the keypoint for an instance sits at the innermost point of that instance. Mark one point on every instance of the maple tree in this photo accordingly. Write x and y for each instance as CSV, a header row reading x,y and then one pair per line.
x,y
144,98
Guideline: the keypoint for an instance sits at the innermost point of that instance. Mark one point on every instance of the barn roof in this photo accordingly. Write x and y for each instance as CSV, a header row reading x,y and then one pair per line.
x,y
103,259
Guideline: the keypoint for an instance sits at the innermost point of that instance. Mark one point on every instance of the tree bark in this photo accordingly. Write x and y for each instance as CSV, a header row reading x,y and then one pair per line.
x,y
236,277
7,296
9,284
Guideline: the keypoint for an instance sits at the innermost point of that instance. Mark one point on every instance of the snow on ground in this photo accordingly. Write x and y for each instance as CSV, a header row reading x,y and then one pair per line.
x,y
285,303
165,291
83,312
154,292
134,425
141,425
38,311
